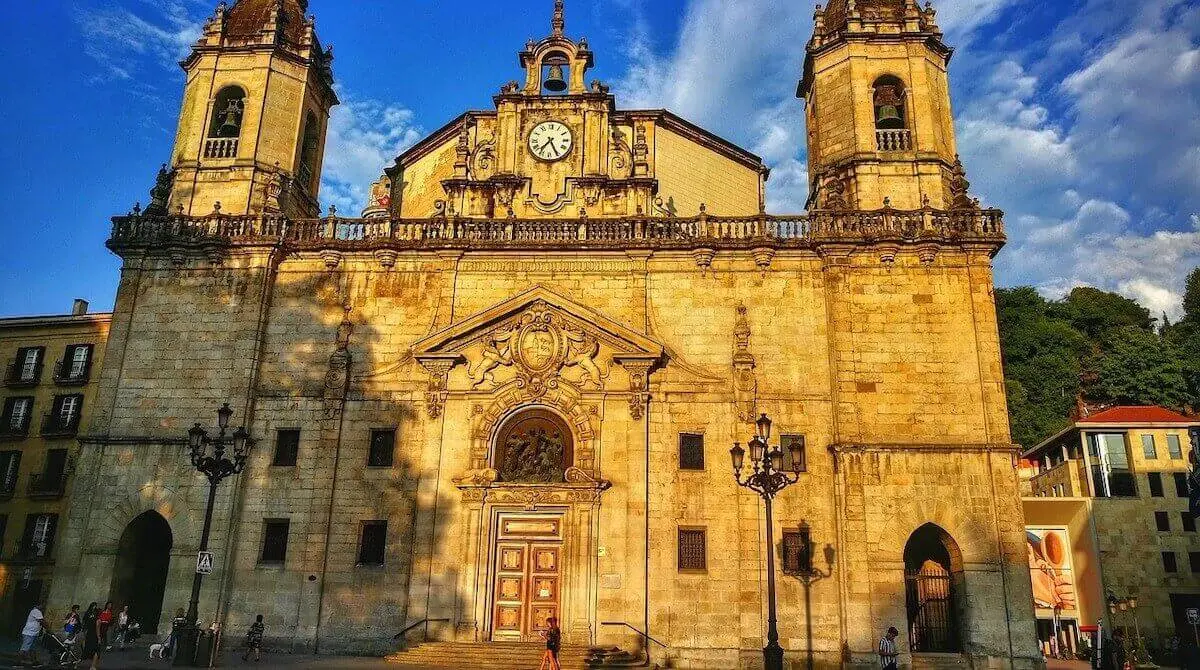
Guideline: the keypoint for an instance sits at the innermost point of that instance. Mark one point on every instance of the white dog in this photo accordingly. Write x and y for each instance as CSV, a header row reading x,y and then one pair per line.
x,y
157,649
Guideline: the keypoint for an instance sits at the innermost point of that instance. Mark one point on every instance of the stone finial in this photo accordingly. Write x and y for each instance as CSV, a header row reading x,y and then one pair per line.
x,y
960,197
558,24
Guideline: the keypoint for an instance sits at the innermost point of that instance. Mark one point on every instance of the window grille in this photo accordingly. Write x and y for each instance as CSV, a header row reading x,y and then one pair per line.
x,y
383,447
691,451
692,549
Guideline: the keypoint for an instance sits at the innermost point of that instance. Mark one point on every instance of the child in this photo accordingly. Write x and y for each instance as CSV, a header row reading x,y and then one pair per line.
x,y
254,639
71,624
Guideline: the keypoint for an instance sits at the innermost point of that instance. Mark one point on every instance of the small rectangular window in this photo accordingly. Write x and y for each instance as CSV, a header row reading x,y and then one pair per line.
x,y
287,447
373,542
28,368
692,557
10,466
17,412
39,535
1194,561
1181,484
79,357
1163,521
785,442
383,448
1156,484
1173,447
1189,521
1170,565
797,551
275,541
691,451
1149,449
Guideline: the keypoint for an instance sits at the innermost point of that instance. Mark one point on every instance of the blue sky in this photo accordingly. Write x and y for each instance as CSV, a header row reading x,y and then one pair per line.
x,y
1078,117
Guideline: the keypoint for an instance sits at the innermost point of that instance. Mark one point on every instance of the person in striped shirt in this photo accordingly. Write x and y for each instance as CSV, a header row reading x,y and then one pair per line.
x,y
888,652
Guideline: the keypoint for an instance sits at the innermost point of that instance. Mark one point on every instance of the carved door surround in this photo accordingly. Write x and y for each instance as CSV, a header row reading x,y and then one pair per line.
x,y
528,574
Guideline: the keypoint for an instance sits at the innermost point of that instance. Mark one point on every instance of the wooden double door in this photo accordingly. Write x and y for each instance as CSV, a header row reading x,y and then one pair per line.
x,y
528,576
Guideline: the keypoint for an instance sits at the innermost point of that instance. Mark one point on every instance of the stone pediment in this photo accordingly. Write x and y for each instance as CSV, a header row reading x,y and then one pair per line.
x,y
535,341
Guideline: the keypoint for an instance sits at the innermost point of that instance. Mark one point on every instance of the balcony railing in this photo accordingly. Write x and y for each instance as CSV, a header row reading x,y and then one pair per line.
x,y
221,147
65,374
56,425
8,490
894,140
48,485
8,431
17,376
34,552
749,232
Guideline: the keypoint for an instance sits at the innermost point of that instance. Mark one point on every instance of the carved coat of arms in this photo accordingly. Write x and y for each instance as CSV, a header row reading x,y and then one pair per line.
x,y
539,344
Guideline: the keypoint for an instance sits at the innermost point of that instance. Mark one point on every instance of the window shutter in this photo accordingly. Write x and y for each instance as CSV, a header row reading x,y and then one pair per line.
x,y
87,366
26,547
50,532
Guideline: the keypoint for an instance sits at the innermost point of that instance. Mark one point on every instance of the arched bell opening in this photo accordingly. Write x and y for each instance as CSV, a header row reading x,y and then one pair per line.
x,y
228,109
533,446
933,579
889,98
140,577
556,73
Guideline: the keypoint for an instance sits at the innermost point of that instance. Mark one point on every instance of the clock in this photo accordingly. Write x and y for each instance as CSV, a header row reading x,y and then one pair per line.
x,y
550,140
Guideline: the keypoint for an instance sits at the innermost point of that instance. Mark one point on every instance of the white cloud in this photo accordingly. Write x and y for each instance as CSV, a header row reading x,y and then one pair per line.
x,y
121,40
365,136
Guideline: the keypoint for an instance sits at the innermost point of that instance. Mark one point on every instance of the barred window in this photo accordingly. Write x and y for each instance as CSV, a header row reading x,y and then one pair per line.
x,y
797,551
692,556
383,447
287,446
275,541
691,451
371,545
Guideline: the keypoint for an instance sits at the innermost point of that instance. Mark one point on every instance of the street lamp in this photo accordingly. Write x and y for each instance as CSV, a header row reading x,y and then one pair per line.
x,y
216,466
767,478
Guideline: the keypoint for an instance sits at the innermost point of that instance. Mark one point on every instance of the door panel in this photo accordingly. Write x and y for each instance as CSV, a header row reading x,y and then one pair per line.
x,y
528,578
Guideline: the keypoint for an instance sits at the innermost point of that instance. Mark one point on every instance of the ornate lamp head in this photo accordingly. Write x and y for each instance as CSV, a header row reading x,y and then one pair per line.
x,y
738,455
764,428
757,449
776,457
223,415
797,451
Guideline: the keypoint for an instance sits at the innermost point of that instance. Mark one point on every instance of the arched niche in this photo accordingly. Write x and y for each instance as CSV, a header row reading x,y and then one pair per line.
x,y
140,575
933,587
534,445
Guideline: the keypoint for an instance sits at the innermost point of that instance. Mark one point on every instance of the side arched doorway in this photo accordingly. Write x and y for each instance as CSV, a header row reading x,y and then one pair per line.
x,y
933,579
140,577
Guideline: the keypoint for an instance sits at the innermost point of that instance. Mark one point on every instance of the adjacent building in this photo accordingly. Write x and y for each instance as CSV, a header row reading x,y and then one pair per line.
x,y
48,388
508,391
1107,514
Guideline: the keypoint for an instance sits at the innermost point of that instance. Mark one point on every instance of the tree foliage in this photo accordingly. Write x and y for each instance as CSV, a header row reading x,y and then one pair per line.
x,y
1094,345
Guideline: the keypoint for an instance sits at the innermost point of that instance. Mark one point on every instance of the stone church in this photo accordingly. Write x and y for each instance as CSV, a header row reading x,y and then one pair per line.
x,y
509,390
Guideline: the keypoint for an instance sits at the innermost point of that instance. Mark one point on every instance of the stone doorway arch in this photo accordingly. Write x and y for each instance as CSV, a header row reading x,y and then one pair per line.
x,y
140,574
933,581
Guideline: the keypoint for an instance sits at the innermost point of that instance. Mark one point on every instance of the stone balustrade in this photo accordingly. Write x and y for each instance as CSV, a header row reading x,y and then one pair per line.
x,y
894,140
802,231
221,147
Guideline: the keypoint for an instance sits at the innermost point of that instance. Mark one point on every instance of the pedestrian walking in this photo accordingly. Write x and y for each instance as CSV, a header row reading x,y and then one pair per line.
x,y
106,621
122,626
254,639
177,625
888,652
91,635
30,632
553,637
71,624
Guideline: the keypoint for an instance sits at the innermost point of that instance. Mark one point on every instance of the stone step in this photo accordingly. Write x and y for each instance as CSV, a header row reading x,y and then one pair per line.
x,y
931,661
484,656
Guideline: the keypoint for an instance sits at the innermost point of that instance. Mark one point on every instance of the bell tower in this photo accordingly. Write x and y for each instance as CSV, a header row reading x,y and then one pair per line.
x,y
255,111
880,128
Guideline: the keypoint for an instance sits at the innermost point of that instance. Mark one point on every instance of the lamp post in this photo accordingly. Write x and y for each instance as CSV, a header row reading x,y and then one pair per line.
x,y
1135,650
767,478
216,466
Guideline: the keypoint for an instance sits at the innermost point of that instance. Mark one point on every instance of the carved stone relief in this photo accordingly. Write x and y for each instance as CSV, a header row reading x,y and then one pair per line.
x,y
745,382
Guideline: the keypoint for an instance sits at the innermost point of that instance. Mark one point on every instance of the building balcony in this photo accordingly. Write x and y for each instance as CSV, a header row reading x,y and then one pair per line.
x,y
47,485
221,147
7,492
65,374
33,553
894,140
56,425
10,432
16,376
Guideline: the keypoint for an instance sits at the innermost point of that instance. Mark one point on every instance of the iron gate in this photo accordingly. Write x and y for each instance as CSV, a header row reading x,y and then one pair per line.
x,y
931,621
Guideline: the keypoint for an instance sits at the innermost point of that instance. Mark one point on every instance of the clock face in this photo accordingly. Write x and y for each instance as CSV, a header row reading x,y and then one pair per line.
x,y
550,140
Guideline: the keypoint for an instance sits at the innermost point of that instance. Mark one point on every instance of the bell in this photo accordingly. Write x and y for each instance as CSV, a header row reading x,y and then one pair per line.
x,y
555,81
232,125
888,115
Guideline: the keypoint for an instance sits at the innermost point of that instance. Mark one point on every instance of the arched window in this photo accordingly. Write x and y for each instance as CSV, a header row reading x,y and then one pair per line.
x,y
535,446
556,72
891,116
933,591
228,109
225,129
310,142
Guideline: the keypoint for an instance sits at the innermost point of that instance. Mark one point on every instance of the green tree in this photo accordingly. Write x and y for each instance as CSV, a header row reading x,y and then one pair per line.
x,y
1191,298
1094,312
1140,368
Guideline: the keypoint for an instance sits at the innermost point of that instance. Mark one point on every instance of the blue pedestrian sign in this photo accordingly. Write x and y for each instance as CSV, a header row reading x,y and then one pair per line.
x,y
204,563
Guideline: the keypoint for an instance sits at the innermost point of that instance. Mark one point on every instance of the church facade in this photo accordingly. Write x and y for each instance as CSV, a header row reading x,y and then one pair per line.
x,y
508,391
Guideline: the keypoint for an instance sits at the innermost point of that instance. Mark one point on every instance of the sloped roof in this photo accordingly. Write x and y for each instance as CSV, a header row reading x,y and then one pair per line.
x,y
247,18
835,12
1136,414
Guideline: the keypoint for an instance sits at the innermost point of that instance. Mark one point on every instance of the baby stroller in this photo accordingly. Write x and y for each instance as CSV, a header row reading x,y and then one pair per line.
x,y
65,655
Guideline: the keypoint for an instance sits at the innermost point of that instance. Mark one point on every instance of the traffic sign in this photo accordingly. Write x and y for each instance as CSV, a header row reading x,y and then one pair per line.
x,y
1193,615
204,562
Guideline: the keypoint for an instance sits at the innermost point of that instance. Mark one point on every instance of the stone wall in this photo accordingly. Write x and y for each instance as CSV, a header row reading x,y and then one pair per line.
x,y
890,369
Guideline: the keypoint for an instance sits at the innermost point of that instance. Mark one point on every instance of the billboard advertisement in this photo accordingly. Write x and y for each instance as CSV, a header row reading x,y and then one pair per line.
x,y
1050,568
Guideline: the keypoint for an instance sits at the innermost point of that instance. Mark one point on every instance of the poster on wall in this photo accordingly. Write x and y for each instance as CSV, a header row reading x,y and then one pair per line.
x,y
1050,567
